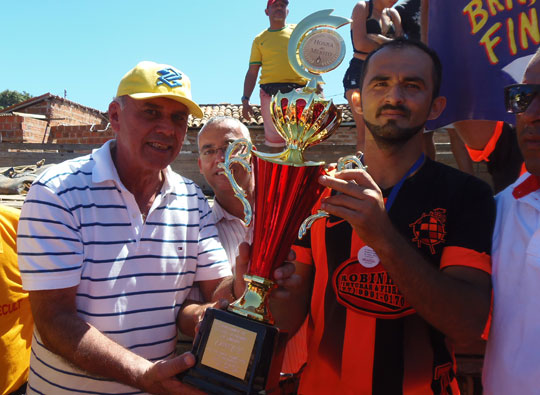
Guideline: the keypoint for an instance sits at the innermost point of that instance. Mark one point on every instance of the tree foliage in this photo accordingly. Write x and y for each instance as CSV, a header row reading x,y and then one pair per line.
x,y
9,98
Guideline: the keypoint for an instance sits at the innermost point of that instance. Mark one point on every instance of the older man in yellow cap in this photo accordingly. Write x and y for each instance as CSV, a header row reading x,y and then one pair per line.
x,y
110,245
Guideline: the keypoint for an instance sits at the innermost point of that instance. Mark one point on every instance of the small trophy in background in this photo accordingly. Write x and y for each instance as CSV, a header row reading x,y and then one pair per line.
x,y
239,350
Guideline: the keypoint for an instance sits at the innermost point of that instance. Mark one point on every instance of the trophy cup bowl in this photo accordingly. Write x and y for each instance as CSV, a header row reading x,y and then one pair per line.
x,y
286,188
239,350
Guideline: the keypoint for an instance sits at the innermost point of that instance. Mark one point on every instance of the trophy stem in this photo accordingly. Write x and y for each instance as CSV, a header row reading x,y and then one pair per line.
x,y
254,302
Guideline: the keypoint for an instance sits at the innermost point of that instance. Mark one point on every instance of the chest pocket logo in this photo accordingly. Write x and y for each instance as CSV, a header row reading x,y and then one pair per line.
x,y
430,229
369,291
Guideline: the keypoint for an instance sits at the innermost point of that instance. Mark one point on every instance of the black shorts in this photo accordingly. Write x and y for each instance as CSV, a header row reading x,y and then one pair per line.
x,y
352,75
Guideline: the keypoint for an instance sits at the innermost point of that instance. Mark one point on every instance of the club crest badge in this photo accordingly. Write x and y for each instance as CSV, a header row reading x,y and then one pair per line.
x,y
430,229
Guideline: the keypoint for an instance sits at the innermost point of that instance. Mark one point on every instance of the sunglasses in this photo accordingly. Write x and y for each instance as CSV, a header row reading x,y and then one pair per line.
x,y
518,97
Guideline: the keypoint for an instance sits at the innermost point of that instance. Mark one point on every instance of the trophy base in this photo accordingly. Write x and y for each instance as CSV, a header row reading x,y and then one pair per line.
x,y
236,355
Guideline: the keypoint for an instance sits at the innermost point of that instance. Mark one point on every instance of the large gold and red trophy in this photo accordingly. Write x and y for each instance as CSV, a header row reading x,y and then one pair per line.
x,y
239,350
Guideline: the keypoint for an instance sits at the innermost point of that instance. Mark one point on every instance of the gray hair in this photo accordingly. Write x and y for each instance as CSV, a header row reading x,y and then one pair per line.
x,y
121,100
232,123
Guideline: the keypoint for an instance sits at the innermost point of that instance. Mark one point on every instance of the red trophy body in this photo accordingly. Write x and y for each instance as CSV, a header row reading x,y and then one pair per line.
x,y
240,350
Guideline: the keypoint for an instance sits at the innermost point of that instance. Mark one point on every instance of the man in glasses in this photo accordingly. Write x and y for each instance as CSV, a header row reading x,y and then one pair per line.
x,y
213,140
512,363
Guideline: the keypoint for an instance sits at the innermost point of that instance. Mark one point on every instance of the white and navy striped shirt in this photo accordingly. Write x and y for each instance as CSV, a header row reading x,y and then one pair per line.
x,y
232,231
81,227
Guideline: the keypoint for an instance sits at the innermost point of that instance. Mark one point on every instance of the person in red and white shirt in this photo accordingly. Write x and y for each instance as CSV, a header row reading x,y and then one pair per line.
x,y
512,362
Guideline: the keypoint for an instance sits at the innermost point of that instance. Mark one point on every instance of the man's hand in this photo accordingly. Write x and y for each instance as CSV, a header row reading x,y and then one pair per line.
x,y
192,314
247,111
160,378
360,203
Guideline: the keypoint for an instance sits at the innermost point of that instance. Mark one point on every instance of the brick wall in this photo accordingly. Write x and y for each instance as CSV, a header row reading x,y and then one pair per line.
x,y
34,130
80,134
63,112
11,128
343,136
72,114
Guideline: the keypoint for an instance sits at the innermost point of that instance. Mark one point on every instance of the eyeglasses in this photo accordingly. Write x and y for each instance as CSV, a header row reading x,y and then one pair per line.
x,y
518,97
212,152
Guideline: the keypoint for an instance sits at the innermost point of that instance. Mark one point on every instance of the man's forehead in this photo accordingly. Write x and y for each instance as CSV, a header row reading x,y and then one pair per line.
x,y
532,73
400,62
220,134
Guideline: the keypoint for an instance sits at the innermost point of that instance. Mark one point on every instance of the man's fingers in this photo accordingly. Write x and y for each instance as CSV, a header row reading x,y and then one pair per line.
x,y
284,271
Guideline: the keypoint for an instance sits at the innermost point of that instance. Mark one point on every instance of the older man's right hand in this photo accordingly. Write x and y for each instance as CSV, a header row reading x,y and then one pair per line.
x,y
160,378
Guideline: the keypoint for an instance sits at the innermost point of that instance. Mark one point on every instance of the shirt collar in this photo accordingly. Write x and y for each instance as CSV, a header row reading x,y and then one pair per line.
x,y
220,213
530,184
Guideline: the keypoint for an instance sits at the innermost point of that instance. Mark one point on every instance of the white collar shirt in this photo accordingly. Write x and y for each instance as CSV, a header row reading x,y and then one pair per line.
x,y
512,362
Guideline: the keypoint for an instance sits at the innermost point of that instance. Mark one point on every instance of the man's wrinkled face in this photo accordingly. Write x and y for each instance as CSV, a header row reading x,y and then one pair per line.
x,y
213,143
528,123
396,96
150,132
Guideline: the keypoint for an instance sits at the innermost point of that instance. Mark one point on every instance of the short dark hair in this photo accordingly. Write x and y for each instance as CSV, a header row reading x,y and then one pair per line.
x,y
400,43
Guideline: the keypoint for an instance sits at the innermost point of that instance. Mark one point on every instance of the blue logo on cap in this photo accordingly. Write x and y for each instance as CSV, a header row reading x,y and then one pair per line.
x,y
170,77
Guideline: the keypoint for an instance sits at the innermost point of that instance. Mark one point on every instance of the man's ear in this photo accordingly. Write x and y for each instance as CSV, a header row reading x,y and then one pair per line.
x,y
437,107
356,102
114,115
266,11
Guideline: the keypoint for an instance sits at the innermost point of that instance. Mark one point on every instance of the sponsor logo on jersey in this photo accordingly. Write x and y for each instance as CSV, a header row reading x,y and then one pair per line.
x,y
369,291
429,229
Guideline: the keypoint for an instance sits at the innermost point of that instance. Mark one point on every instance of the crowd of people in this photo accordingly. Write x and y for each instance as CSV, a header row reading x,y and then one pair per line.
x,y
113,253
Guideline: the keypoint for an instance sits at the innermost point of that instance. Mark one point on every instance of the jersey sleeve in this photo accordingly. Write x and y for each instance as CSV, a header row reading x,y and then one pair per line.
x,y
471,229
49,242
483,154
256,56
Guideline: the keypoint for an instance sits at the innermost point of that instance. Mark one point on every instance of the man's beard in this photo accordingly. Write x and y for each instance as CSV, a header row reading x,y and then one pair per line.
x,y
391,135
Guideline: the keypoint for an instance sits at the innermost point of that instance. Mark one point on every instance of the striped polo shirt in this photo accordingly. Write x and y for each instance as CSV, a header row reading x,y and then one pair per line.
x,y
81,227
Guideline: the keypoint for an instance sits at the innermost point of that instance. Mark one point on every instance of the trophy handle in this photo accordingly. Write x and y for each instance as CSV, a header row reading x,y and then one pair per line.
x,y
239,151
342,163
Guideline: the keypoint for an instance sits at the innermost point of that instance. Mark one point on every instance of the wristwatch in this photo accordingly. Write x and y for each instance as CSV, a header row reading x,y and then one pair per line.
x,y
244,98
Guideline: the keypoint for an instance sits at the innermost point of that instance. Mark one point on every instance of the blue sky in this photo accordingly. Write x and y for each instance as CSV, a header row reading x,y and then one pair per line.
x,y
85,47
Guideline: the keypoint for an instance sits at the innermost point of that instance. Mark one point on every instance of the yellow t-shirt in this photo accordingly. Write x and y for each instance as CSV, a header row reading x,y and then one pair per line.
x,y
269,49
16,323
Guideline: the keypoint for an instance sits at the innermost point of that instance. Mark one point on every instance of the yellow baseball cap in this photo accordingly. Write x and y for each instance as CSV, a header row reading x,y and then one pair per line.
x,y
149,79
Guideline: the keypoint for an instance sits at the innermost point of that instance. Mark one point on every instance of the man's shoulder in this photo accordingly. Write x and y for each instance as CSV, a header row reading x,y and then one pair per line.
x,y
452,179
67,172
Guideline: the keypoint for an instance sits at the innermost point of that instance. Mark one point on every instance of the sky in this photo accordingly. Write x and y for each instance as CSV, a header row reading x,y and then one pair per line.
x,y
84,47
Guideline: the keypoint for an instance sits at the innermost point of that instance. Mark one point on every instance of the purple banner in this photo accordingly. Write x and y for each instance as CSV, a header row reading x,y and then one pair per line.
x,y
484,45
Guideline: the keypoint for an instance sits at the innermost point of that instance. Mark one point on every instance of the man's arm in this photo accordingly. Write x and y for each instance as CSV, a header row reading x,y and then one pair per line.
x,y
66,334
249,84
363,41
456,300
475,133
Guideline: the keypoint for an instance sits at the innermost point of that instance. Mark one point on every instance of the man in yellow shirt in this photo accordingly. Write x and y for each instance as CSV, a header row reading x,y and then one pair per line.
x,y
15,316
269,51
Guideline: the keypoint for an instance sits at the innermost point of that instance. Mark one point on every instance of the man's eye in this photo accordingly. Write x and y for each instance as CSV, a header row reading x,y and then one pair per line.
x,y
209,151
180,118
412,86
151,112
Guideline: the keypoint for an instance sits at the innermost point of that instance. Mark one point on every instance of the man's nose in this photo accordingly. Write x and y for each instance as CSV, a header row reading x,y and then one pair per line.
x,y
394,94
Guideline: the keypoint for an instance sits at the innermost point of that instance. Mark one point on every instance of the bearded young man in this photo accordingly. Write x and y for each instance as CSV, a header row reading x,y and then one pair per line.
x,y
401,265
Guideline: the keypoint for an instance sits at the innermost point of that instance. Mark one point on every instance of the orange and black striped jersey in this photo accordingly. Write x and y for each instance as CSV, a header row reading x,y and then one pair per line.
x,y
363,336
